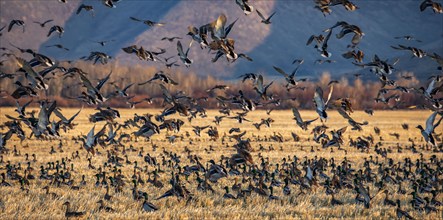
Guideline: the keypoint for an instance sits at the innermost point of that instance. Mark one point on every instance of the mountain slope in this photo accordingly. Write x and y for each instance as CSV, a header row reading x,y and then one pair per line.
x,y
380,21
275,44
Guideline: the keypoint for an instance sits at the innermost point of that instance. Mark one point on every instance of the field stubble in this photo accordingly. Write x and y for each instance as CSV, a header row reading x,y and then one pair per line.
x,y
35,204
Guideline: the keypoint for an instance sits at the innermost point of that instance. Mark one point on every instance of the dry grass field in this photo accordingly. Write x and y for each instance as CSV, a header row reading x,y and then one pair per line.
x,y
33,203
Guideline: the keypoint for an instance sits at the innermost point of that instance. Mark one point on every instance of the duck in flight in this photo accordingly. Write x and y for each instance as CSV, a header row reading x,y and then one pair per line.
x,y
262,89
16,23
430,127
408,37
43,24
60,30
263,19
171,39
416,52
347,29
302,124
244,5
320,104
184,55
58,46
86,8
290,79
436,7
162,77
148,22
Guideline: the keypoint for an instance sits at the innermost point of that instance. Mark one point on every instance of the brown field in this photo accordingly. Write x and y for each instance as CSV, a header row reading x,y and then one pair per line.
x,y
35,204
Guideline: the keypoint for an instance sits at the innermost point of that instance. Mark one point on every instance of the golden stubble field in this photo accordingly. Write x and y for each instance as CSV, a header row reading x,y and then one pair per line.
x,y
33,203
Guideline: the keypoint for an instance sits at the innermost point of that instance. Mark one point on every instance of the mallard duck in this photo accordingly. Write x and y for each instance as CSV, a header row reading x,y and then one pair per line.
x,y
16,23
263,19
387,201
215,172
346,29
4,183
86,8
251,76
271,195
290,79
147,206
70,213
36,80
431,89
302,124
436,7
356,55
228,195
43,24
430,126
244,5
334,201
148,22
110,3
171,39
103,207
319,102
415,51
162,77
262,89
60,30
184,55
91,140
401,213
51,194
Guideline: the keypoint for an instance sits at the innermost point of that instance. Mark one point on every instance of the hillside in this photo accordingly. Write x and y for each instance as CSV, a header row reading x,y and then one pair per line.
x,y
275,44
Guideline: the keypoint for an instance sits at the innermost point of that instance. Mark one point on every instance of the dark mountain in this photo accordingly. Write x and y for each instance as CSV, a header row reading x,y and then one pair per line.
x,y
381,21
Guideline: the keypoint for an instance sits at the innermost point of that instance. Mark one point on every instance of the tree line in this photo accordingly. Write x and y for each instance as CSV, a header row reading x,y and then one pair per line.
x,y
64,89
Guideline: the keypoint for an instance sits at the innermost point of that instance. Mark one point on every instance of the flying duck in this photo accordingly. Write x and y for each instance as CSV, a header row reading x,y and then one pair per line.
x,y
265,20
184,56
320,103
430,126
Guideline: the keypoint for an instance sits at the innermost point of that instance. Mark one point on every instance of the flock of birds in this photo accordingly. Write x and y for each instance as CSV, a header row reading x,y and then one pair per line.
x,y
252,175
